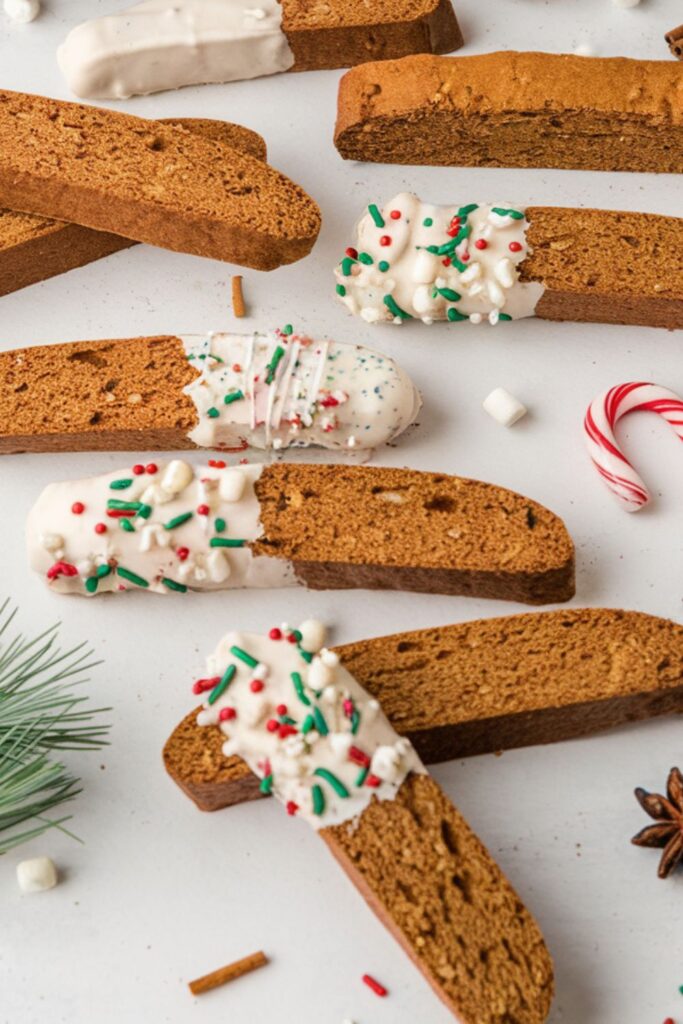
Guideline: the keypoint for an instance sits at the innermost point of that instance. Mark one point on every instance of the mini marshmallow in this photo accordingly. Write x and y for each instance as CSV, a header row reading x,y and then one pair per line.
x,y
37,874
177,476
312,635
22,11
232,485
504,407
218,566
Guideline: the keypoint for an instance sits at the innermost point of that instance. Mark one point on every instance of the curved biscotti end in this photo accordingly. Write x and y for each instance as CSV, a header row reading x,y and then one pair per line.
x,y
246,140
385,528
437,889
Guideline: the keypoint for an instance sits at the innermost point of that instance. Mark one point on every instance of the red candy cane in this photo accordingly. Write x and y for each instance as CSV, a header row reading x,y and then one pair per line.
x,y
603,415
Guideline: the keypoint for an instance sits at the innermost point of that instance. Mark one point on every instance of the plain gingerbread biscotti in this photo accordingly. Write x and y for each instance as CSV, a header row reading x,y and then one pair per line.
x,y
34,248
479,687
160,184
515,109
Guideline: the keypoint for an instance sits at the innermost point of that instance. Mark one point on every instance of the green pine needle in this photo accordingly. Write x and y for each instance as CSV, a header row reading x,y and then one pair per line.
x,y
40,713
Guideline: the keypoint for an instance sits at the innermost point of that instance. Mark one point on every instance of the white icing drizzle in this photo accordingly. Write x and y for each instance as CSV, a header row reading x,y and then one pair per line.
x,y
415,260
165,44
79,544
276,391
304,725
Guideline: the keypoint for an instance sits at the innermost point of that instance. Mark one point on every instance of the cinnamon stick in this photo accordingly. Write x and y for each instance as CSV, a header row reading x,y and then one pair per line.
x,y
237,296
228,973
675,40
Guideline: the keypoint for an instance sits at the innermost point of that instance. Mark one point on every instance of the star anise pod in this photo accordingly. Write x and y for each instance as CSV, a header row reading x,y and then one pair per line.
x,y
667,811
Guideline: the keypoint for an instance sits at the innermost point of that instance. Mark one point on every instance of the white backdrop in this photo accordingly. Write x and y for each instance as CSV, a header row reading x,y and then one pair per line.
x,y
160,893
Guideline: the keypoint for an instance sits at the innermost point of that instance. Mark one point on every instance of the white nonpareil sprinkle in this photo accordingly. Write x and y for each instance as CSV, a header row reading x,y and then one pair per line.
x,y
504,407
22,11
37,874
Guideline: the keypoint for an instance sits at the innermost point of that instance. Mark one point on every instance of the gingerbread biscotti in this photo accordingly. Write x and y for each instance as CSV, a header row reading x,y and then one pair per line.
x,y
490,263
511,109
479,687
220,391
324,748
34,248
170,528
153,183
153,46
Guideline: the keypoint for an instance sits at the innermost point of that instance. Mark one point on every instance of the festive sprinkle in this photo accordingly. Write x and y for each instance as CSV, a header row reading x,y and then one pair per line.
x,y
78,508
219,525
320,723
454,315
124,506
376,215
383,266
226,542
373,781
275,360
362,776
132,577
355,721
244,656
145,511
220,689
205,684
178,520
336,783
504,316
358,757
299,687
100,527
213,413
378,989
182,553
308,723
352,253
427,222
365,258
449,294
151,468
288,329
138,469
275,633
120,485
127,526
515,214
266,786
91,584
346,265
385,240
515,247
318,799
272,725
234,396
203,510
174,585
341,290
217,463
226,714
394,308
102,571
306,655
292,808
465,211
481,243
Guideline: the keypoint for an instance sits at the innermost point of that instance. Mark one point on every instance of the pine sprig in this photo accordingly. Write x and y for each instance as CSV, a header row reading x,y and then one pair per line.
x,y
40,713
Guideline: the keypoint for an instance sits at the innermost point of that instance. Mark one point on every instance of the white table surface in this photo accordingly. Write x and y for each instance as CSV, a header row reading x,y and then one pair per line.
x,y
160,893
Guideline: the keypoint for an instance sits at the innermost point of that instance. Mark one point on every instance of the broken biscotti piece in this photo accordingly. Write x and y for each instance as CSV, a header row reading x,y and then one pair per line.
x,y
168,527
150,182
323,747
156,45
512,109
480,687
34,248
490,262
225,391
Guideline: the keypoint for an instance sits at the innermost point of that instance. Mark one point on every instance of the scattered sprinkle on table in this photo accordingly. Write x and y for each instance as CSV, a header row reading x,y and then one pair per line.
x,y
372,983
238,307
228,973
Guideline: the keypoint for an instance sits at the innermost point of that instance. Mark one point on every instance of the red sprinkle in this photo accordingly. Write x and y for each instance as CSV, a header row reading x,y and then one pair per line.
x,y
236,368
272,725
358,757
292,638
275,633
286,730
465,256
385,240
151,468
292,808
121,513
100,527
138,469
217,463
395,214
78,508
481,243
203,510
669,1020
61,569
352,253
516,247
348,707
329,402
281,709
182,553
205,684
447,261
226,714
256,685
452,231
372,983
373,781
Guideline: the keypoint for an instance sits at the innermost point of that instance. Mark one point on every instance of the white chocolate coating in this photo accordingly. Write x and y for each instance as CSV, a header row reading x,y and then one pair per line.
x,y
293,732
319,393
415,260
74,556
165,44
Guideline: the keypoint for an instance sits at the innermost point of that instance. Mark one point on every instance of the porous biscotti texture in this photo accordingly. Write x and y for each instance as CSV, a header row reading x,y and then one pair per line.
x,y
35,248
153,183
479,687
513,109
437,889
606,266
383,528
339,33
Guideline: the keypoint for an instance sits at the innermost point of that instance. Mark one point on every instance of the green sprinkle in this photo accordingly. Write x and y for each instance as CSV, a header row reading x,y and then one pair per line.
x,y
173,585
346,265
127,525
308,724
213,413
220,525
124,506
458,264
287,720
376,215
145,511
288,329
306,655
362,776
244,656
178,520
366,258
394,308
266,786
297,635
465,211
91,584
515,214
504,316
434,249
120,485
102,571
221,687
226,542
341,290
299,687
454,315
275,360
132,577
427,222
449,294
336,783
320,723
355,721
318,800
383,266
234,396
